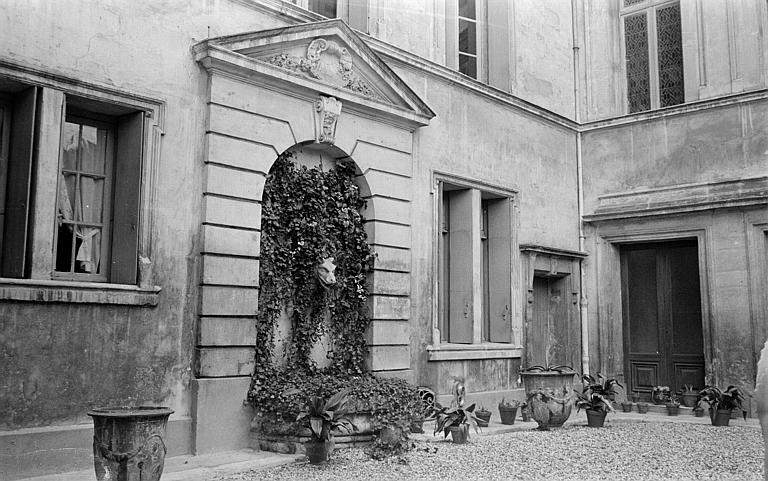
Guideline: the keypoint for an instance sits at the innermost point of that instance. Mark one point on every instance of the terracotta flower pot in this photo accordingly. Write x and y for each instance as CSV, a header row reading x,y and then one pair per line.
x,y
128,442
483,418
507,415
626,407
459,434
596,419
642,408
720,418
319,452
699,413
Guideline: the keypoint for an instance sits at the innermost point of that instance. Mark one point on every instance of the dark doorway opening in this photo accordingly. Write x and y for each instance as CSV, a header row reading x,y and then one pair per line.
x,y
661,304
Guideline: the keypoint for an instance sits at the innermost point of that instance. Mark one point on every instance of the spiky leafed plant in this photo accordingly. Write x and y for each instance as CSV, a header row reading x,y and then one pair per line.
x,y
597,393
457,416
728,400
322,416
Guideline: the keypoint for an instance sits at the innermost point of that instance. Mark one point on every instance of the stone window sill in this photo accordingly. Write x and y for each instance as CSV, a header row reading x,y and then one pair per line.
x,y
38,290
456,352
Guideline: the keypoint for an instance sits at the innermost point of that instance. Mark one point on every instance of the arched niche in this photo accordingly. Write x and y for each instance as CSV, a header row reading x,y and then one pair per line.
x,y
324,157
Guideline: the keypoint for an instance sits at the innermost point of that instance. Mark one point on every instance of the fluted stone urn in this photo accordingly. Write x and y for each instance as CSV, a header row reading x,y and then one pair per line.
x,y
549,393
128,442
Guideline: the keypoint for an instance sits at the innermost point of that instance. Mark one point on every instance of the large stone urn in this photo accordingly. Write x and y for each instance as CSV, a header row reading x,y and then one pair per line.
x,y
128,443
761,393
549,394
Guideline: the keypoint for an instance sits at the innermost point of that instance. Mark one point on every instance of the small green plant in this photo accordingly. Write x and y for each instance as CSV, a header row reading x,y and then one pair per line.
x,y
454,416
661,394
512,404
672,401
688,389
597,393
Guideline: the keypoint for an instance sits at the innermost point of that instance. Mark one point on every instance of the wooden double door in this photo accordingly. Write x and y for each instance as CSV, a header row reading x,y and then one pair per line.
x,y
661,303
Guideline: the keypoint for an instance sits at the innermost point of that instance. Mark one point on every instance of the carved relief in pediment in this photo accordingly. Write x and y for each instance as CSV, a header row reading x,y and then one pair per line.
x,y
327,61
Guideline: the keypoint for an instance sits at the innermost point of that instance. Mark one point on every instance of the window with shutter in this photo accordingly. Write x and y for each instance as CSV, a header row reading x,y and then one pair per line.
x,y
474,265
354,12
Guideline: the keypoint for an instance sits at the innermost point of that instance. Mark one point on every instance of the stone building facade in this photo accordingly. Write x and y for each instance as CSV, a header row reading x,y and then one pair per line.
x,y
579,183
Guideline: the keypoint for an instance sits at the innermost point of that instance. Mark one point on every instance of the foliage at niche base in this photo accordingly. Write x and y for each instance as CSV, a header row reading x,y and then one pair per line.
x,y
307,215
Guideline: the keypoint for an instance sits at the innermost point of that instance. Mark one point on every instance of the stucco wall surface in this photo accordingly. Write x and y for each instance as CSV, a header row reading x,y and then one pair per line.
x,y
59,359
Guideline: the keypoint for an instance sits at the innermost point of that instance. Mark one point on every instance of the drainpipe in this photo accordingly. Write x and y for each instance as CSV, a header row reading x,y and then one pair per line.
x,y
583,305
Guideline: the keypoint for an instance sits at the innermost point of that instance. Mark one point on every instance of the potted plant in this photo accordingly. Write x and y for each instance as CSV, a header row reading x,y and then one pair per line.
x,y
673,405
722,403
322,417
642,407
698,409
688,395
595,398
508,410
549,394
483,417
455,420
660,394
525,413
626,406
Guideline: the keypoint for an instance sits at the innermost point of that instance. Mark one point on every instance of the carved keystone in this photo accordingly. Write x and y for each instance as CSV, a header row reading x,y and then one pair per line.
x,y
327,112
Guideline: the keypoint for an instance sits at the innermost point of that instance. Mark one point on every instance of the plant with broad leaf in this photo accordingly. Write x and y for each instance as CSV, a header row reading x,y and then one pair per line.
x,y
597,393
323,416
454,416
728,400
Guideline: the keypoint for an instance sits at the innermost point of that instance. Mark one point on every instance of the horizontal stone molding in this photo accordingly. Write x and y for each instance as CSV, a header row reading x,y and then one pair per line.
x,y
232,212
230,241
226,331
681,199
229,301
249,126
391,283
234,182
388,358
224,361
39,290
391,235
230,271
388,333
239,153
456,352
389,307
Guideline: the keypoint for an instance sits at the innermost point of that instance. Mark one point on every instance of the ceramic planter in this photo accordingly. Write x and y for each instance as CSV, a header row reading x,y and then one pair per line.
x,y
319,452
549,396
483,418
507,414
459,434
128,442
720,418
689,400
596,419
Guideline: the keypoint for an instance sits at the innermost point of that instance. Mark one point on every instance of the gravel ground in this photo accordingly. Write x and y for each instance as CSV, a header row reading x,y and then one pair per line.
x,y
616,452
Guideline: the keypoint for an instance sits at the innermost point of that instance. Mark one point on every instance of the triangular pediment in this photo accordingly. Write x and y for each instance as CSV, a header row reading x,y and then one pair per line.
x,y
324,57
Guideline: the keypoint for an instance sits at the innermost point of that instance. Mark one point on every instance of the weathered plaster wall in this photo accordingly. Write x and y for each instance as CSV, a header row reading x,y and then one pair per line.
x,y
60,358
725,51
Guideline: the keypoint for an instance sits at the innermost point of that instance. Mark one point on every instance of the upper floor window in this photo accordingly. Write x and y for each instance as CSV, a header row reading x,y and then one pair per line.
x,y
354,12
653,50
70,169
466,37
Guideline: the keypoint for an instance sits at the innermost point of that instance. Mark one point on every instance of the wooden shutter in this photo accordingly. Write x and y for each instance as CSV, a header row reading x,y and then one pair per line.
x,y
461,270
358,15
500,269
127,199
18,199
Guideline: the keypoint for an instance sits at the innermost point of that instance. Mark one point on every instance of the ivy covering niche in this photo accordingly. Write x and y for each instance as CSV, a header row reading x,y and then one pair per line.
x,y
311,338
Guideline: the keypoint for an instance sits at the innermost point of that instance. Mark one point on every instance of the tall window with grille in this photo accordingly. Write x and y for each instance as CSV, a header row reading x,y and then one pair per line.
x,y
653,50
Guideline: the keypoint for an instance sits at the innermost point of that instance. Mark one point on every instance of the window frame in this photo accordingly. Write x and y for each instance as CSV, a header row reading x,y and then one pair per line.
x,y
38,283
353,12
92,120
479,348
452,53
649,8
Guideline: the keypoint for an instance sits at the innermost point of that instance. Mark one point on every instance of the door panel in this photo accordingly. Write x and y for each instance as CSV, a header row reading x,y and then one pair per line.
x,y
661,303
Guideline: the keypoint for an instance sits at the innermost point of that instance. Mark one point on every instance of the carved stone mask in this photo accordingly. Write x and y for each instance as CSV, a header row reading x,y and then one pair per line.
x,y
325,272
